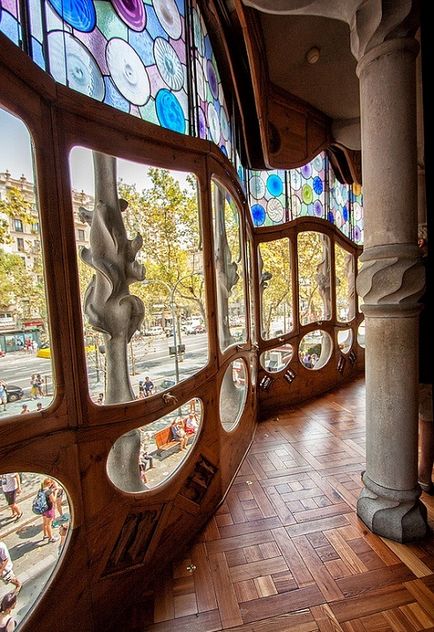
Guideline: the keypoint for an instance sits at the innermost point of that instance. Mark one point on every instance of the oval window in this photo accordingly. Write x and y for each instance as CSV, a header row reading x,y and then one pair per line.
x,y
315,349
35,523
345,340
146,457
276,359
233,394
361,334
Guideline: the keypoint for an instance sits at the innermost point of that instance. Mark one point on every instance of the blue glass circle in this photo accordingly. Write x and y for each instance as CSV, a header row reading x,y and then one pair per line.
x,y
80,14
258,214
169,111
274,185
317,185
224,150
345,213
330,217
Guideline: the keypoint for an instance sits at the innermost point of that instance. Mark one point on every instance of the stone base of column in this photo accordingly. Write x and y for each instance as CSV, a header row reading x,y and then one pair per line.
x,y
394,514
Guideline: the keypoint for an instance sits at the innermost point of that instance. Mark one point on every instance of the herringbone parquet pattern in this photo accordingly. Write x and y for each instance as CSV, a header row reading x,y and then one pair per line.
x,y
286,550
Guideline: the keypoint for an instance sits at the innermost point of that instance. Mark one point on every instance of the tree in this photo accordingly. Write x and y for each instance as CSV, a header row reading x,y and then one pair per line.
x,y
276,301
313,276
167,217
16,206
20,289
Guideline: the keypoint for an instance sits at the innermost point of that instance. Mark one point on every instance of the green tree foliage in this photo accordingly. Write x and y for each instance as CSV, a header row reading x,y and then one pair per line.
x,y
16,206
312,261
22,288
166,215
276,303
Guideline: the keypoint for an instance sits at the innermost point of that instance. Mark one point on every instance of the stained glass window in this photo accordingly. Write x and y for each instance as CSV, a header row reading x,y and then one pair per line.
x,y
211,112
268,197
307,185
278,196
356,198
10,20
128,54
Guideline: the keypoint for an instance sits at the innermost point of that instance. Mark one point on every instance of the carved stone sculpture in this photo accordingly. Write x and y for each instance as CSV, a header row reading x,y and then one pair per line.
x,y
110,308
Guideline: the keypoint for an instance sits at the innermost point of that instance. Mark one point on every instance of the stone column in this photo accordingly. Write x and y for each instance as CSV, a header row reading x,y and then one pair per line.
x,y
391,280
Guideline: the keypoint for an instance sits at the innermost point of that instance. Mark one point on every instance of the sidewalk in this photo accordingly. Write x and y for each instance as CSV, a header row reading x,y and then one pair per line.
x,y
34,559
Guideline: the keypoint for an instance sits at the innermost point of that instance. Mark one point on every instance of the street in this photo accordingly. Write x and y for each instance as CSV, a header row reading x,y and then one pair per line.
x,y
150,357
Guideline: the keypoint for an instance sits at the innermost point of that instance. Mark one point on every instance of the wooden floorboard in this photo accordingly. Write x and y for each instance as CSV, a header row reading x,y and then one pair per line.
x,y
286,551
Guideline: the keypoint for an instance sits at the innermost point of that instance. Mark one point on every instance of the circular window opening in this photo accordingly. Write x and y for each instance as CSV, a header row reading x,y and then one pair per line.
x,y
361,334
345,340
315,349
233,394
276,359
146,457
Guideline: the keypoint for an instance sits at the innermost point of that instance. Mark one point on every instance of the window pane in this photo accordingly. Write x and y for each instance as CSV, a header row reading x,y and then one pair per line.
x,y
145,312
275,288
156,451
276,359
314,277
228,251
33,543
345,340
345,284
315,349
233,394
26,378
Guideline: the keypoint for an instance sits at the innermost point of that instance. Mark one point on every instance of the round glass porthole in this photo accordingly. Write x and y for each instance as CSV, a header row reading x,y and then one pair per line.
x,y
361,334
233,394
146,457
274,360
345,340
315,349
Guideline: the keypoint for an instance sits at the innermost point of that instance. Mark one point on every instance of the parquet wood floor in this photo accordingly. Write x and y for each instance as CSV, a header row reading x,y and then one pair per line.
x,y
286,551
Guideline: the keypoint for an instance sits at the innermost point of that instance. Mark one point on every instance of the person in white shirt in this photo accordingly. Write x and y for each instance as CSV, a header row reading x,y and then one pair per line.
x,y
7,568
11,486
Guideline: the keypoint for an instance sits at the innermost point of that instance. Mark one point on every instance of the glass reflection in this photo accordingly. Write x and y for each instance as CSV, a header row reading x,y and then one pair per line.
x,y
233,394
231,301
164,446
275,288
276,359
314,277
315,349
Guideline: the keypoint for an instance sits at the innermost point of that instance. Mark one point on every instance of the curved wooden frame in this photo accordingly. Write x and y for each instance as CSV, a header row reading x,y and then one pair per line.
x,y
71,439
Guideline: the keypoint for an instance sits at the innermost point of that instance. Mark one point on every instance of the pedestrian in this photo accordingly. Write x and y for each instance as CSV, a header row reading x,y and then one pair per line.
x,y
38,407
145,459
148,386
7,621
49,487
24,409
100,399
3,394
11,486
141,390
7,567
39,383
33,387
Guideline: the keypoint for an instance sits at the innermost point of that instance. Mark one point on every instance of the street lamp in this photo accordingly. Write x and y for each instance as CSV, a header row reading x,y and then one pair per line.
x,y
171,290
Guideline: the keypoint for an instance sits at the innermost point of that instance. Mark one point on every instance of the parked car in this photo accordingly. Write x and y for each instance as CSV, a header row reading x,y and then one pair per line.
x,y
14,392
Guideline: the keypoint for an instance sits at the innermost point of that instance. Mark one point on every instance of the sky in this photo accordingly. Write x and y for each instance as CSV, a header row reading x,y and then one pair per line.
x,y
15,156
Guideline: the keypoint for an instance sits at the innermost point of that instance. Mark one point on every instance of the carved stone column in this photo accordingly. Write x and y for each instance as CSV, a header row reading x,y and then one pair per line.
x,y
391,279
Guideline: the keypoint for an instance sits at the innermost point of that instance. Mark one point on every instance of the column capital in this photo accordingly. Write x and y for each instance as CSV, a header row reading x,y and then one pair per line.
x,y
391,280
376,22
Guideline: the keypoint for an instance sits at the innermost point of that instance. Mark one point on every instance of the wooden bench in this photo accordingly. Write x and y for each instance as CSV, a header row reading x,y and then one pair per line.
x,y
164,440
